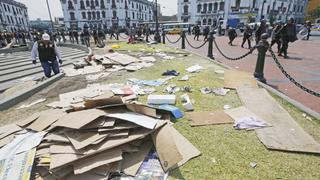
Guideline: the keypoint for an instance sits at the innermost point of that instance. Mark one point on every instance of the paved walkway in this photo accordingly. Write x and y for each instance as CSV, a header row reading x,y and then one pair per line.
x,y
303,65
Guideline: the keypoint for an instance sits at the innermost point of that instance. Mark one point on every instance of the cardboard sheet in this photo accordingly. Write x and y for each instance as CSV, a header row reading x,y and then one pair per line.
x,y
101,122
132,162
285,133
60,160
173,149
28,120
234,79
63,149
8,130
56,138
208,118
142,109
97,160
122,59
102,101
45,119
80,140
142,120
76,120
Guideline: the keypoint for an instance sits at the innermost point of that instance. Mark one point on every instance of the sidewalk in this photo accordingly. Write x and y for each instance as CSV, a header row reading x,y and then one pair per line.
x,y
303,65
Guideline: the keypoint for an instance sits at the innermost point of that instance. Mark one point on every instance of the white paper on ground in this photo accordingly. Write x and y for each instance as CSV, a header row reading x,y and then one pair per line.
x,y
194,68
142,120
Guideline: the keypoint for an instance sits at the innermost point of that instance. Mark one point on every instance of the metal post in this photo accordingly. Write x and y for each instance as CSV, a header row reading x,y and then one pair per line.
x,y
157,35
262,47
210,46
183,37
163,37
50,16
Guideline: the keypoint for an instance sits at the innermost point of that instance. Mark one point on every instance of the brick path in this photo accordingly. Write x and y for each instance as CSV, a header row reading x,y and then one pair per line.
x,y
303,65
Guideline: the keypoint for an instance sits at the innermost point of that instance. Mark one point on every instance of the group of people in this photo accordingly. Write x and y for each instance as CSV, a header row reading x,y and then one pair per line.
x,y
281,34
16,37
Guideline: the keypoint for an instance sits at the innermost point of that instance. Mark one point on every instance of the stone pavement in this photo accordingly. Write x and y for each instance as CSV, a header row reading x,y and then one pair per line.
x,y
17,65
303,65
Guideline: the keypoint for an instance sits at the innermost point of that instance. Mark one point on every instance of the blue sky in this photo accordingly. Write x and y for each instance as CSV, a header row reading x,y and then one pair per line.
x,y
38,8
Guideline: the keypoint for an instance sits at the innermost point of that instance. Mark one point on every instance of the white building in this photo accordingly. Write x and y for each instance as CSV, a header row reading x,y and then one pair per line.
x,y
13,16
106,13
209,12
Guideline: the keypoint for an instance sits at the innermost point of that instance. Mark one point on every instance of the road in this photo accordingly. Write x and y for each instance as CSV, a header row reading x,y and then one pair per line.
x,y
303,65
18,65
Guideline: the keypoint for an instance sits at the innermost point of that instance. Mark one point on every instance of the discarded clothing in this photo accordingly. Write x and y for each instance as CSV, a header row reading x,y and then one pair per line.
x,y
220,91
249,123
171,73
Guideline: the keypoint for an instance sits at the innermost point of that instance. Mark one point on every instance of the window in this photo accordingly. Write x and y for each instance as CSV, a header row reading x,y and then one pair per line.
x,y
70,6
185,9
89,15
114,14
238,2
72,17
102,4
8,8
185,0
75,1
215,7
199,8
5,7
8,19
268,10
83,15
204,22
93,15
103,14
221,6
97,2
98,15
82,5
87,3
132,5
209,22
205,7
133,15
210,7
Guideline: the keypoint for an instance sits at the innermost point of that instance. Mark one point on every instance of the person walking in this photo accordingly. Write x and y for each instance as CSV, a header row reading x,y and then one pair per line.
x,y
232,35
76,36
197,32
206,31
247,34
86,37
261,29
288,34
276,36
112,31
71,37
101,38
308,26
48,54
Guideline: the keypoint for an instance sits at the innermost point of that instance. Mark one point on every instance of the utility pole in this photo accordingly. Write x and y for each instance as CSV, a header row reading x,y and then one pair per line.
x,y
157,35
50,16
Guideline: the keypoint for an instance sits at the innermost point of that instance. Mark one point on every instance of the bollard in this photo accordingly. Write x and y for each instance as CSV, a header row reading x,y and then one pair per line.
x,y
163,37
147,37
183,43
262,47
210,46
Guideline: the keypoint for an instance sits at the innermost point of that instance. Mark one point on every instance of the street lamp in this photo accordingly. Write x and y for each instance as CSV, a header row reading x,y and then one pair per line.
x,y
157,36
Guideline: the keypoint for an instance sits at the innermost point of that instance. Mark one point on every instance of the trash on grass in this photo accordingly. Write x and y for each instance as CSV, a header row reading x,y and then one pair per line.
x,y
186,102
220,91
161,99
249,123
170,73
175,112
184,78
195,68
205,90
226,107
172,89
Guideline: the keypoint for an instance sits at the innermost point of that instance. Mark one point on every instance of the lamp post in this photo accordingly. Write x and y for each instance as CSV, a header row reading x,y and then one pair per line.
x,y
50,15
157,36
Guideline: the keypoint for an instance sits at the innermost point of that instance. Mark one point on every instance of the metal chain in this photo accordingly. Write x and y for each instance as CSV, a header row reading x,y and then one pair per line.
x,y
204,43
290,78
233,59
172,41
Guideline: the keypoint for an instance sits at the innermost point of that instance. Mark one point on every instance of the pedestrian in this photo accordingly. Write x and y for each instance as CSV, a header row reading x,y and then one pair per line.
x,y
206,31
189,30
147,33
95,36
63,37
48,54
308,26
112,31
288,34
247,34
86,37
232,35
76,36
101,38
276,36
71,37
197,32
261,29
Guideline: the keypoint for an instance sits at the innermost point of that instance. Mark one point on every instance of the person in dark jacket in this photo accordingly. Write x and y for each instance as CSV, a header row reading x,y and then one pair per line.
x,y
246,36
76,36
276,36
261,29
308,26
197,32
86,37
232,35
48,54
206,31
288,34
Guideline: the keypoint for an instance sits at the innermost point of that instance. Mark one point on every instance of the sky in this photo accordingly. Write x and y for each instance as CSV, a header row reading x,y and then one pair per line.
x,y
38,8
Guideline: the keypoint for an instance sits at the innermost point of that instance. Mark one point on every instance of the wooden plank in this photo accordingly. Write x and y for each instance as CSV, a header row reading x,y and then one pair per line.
x,y
285,133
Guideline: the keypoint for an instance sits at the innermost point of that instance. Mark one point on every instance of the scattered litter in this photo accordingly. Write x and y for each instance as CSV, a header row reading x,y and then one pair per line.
x,y
195,68
138,82
148,59
253,165
115,46
149,90
186,103
205,90
226,107
249,123
186,89
95,77
175,112
161,99
172,89
208,118
219,71
170,73
31,104
220,91
304,115
184,78
168,57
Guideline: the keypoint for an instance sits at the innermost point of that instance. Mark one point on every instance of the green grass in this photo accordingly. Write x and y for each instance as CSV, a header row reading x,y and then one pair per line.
x,y
227,153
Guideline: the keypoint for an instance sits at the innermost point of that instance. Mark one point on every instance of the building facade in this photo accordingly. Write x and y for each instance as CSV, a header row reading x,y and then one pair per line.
x,y
106,13
13,16
233,12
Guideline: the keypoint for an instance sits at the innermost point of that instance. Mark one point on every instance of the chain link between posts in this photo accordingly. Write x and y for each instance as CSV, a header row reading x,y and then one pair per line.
x,y
173,42
233,59
274,57
204,43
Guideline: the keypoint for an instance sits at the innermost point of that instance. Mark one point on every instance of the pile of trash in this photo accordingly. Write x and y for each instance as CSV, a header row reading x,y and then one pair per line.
x,y
103,138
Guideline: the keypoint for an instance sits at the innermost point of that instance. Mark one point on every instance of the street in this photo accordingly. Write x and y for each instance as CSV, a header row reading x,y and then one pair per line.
x,y
303,65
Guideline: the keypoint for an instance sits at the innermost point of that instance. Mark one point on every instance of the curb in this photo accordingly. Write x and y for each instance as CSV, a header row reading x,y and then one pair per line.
x,y
7,103
269,88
